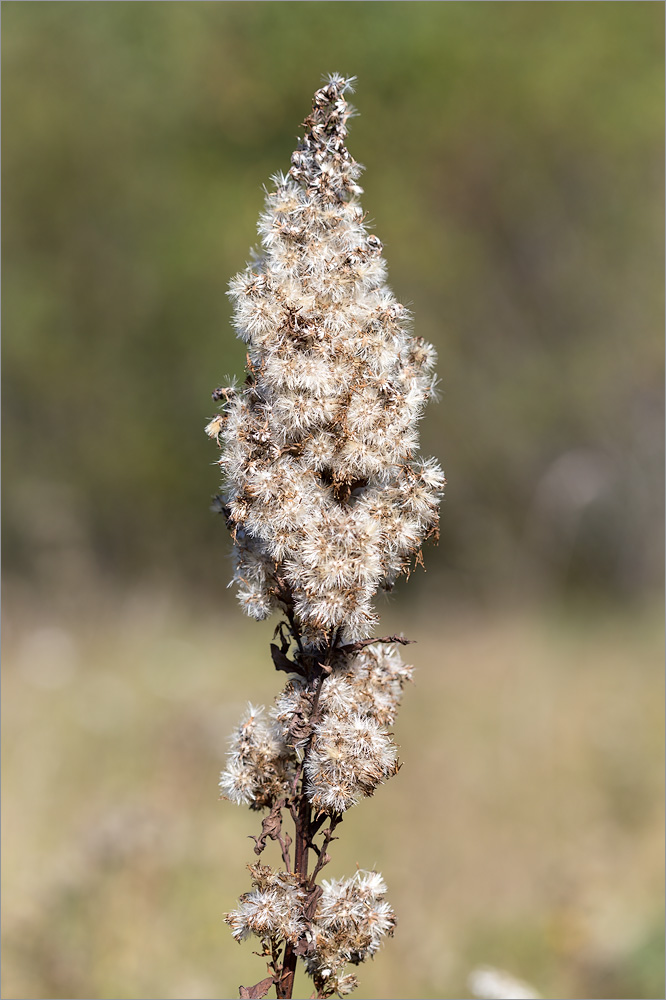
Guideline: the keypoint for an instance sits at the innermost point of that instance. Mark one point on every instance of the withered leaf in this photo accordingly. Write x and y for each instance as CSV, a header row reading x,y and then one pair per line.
x,y
270,827
299,728
282,662
257,991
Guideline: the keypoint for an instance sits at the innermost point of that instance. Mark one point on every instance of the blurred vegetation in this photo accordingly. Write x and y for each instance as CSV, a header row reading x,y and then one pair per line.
x,y
514,169
514,156
526,828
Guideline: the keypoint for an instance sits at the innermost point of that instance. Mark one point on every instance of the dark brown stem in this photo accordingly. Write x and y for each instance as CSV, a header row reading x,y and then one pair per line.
x,y
313,719
285,985
305,827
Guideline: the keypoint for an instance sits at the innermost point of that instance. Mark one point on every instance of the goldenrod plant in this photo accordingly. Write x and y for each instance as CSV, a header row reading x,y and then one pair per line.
x,y
327,501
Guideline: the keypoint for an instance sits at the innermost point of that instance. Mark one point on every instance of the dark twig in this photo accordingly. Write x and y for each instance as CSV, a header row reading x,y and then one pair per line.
x,y
355,647
323,858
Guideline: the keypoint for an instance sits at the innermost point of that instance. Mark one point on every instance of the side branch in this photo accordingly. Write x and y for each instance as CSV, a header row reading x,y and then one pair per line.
x,y
356,647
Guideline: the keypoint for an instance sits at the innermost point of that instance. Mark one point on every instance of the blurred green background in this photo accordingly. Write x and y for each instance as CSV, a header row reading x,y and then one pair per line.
x,y
514,172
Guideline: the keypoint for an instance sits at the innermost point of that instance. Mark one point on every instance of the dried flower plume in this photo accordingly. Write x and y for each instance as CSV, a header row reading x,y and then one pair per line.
x,y
322,488
327,501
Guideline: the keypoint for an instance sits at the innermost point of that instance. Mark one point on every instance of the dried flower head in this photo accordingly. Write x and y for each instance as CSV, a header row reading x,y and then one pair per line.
x,y
323,491
260,767
351,921
349,757
370,684
273,910
349,751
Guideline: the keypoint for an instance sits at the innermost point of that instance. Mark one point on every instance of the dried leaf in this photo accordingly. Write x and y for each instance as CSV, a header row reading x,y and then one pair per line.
x,y
270,827
302,948
257,991
299,729
283,662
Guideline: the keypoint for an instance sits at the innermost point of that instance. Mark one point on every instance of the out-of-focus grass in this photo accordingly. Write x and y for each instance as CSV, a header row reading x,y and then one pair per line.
x,y
525,829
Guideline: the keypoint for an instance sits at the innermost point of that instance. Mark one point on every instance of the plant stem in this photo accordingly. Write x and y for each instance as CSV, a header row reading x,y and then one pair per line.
x,y
285,986
304,828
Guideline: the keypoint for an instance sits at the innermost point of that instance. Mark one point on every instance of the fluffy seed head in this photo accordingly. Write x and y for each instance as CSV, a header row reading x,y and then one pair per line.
x,y
259,767
350,755
323,493
350,923
274,909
